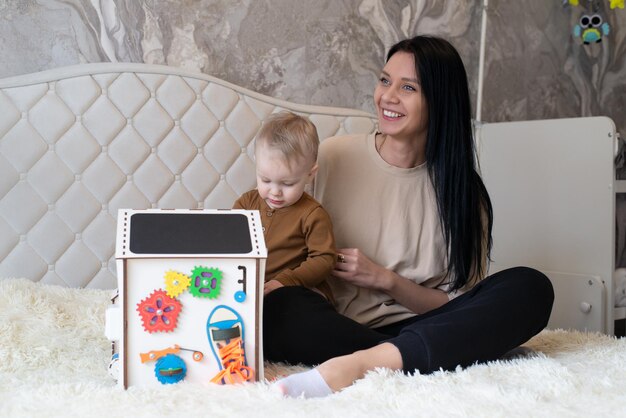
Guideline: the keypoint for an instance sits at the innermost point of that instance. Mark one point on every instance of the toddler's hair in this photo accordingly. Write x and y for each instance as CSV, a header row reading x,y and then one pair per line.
x,y
293,135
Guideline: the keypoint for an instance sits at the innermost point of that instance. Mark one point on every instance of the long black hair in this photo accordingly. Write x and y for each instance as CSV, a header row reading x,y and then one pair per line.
x,y
465,210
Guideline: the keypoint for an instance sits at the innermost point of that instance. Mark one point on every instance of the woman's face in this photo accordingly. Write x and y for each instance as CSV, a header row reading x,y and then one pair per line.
x,y
400,104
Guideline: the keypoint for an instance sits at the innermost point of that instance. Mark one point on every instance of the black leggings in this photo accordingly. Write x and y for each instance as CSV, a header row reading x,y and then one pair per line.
x,y
500,313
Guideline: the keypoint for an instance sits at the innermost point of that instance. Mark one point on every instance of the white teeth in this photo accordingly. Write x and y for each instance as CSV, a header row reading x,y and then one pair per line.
x,y
390,114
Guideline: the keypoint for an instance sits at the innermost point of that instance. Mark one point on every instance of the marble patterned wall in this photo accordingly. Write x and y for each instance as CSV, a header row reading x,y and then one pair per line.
x,y
325,52
329,52
537,69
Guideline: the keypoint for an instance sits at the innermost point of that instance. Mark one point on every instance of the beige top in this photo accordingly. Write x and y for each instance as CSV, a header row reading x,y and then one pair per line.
x,y
389,213
299,241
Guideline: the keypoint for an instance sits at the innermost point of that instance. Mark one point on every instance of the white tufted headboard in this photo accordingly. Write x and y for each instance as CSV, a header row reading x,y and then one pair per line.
x,y
78,143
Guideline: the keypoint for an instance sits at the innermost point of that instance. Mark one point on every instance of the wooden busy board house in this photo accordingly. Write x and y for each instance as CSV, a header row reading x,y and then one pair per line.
x,y
190,296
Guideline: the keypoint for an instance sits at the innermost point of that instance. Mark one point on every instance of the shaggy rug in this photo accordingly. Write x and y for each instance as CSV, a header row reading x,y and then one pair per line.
x,y
54,357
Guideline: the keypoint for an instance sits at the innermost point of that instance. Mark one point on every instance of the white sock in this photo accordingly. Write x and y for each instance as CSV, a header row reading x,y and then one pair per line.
x,y
309,384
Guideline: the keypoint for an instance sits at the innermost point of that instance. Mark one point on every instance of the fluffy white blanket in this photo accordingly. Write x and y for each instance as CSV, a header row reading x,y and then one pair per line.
x,y
54,357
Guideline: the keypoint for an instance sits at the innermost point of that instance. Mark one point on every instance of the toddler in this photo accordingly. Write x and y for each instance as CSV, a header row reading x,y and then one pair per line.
x,y
298,231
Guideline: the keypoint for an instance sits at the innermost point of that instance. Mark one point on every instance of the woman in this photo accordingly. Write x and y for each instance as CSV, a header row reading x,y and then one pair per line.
x,y
412,221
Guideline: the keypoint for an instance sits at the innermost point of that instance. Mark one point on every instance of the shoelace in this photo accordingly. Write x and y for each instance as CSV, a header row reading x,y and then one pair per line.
x,y
233,368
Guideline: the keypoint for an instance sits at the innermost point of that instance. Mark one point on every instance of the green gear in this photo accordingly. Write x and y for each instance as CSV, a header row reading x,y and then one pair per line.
x,y
206,282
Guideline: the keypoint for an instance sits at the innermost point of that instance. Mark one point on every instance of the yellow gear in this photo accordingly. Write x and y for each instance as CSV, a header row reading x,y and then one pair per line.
x,y
176,283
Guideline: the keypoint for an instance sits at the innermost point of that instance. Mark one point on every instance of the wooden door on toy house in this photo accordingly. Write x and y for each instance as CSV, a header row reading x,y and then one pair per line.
x,y
190,285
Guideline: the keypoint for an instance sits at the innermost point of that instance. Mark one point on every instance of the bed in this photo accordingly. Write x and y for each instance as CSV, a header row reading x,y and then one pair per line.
x,y
79,143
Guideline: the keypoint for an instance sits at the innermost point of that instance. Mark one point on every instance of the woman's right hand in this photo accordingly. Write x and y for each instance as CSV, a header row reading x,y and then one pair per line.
x,y
356,268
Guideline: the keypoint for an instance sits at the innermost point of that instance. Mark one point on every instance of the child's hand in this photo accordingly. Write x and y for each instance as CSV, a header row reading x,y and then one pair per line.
x,y
270,286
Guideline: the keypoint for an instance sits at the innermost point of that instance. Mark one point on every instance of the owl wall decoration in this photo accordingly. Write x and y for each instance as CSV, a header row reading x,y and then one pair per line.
x,y
592,25
591,28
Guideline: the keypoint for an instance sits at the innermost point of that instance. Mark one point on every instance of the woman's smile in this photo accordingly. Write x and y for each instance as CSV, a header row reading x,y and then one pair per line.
x,y
388,114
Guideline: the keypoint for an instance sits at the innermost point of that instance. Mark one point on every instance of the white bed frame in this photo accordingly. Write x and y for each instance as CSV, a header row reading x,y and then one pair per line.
x,y
79,143
552,185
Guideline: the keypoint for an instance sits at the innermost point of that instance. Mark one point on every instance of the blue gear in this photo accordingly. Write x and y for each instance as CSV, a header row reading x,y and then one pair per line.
x,y
170,369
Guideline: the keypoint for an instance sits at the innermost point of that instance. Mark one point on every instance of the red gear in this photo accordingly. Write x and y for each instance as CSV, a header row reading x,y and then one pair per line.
x,y
159,312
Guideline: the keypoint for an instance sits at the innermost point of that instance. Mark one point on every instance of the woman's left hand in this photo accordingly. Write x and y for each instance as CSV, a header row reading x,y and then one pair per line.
x,y
271,286
355,267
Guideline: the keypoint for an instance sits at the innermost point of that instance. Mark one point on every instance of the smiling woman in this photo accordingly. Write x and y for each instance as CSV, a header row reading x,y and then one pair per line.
x,y
412,220
402,112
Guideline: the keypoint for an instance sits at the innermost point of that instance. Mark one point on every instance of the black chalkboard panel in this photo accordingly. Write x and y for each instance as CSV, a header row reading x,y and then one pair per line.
x,y
178,233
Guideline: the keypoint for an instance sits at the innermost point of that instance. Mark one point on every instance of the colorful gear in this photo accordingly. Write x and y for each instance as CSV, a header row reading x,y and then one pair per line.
x,y
176,283
170,369
159,312
206,282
